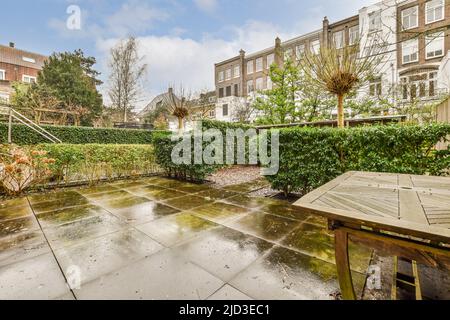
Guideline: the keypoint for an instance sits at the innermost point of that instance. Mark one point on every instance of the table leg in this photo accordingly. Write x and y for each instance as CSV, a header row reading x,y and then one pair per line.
x,y
343,265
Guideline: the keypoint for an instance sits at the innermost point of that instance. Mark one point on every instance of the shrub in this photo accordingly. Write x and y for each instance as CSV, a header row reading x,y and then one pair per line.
x,y
223,126
21,168
163,153
94,162
22,135
311,157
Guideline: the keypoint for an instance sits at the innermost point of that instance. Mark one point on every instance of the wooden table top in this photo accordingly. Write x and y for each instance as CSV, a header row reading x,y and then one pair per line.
x,y
409,205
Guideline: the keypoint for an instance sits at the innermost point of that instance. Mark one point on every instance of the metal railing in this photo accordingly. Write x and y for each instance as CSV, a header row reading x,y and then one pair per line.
x,y
14,115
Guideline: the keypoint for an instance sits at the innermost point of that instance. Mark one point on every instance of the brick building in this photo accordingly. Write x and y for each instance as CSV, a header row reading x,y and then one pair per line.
x,y
17,65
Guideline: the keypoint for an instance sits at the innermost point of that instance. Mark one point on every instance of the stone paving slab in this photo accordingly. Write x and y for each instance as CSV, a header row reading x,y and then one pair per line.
x,y
159,238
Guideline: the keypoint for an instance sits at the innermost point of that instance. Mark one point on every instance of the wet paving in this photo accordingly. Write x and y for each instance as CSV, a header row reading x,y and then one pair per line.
x,y
158,238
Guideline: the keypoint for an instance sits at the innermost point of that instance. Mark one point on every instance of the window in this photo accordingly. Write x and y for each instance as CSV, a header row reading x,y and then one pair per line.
x,y
237,72
434,11
353,33
299,51
2,75
269,83
221,95
250,67
375,21
228,74
212,113
421,85
30,60
225,110
259,84
338,39
410,51
435,45
375,88
250,87
28,79
236,90
259,64
315,46
221,76
432,84
270,60
288,54
228,91
410,18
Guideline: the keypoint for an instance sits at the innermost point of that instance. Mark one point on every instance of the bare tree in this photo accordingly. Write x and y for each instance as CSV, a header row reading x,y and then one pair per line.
x,y
126,74
243,111
340,71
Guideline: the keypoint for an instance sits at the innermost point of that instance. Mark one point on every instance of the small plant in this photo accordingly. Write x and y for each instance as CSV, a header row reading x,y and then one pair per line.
x,y
21,168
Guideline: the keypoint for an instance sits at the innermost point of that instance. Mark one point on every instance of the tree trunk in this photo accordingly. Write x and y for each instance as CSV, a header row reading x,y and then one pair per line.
x,y
180,124
341,122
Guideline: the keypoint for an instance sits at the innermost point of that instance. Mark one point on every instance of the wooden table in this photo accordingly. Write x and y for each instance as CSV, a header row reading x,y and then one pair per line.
x,y
401,215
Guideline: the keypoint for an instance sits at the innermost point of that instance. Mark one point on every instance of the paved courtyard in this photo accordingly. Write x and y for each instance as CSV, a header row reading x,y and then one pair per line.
x,y
163,239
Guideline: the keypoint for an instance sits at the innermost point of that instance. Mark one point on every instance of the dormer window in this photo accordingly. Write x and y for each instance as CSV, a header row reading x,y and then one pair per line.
x,y
27,59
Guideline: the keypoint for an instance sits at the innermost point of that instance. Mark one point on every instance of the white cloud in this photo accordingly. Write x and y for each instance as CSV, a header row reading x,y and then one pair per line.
x,y
134,16
206,5
174,60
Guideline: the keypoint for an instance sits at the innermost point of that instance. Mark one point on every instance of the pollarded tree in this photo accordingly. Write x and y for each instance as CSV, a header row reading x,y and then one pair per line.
x,y
178,105
340,71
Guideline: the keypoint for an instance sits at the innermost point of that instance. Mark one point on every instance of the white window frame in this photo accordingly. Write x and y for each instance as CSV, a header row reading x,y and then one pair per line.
x,y
259,84
250,86
29,60
336,36
288,53
3,72
434,38
236,71
259,64
353,36
407,45
270,59
427,4
269,83
315,46
228,74
372,26
250,67
416,22
300,51
29,77
221,76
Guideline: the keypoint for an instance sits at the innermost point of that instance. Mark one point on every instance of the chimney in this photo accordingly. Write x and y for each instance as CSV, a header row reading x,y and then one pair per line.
x,y
170,91
12,45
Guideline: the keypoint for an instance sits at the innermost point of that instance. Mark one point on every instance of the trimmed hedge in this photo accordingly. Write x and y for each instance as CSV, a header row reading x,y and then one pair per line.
x,y
94,162
22,135
163,153
223,126
311,157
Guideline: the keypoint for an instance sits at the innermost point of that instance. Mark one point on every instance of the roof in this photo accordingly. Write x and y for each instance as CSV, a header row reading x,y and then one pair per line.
x,y
21,57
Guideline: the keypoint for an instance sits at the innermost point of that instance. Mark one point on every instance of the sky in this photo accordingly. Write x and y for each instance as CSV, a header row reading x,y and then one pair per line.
x,y
179,40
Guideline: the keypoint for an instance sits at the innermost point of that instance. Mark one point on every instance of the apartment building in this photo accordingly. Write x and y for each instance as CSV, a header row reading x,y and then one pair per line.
x,y
17,65
410,36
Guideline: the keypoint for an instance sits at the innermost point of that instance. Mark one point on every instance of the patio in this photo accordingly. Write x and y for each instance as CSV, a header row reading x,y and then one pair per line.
x,y
162,239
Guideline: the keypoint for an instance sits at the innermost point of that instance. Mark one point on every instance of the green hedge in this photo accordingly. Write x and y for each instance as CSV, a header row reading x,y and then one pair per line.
x,y
223,126
310,157
22,135
163,153
94,162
